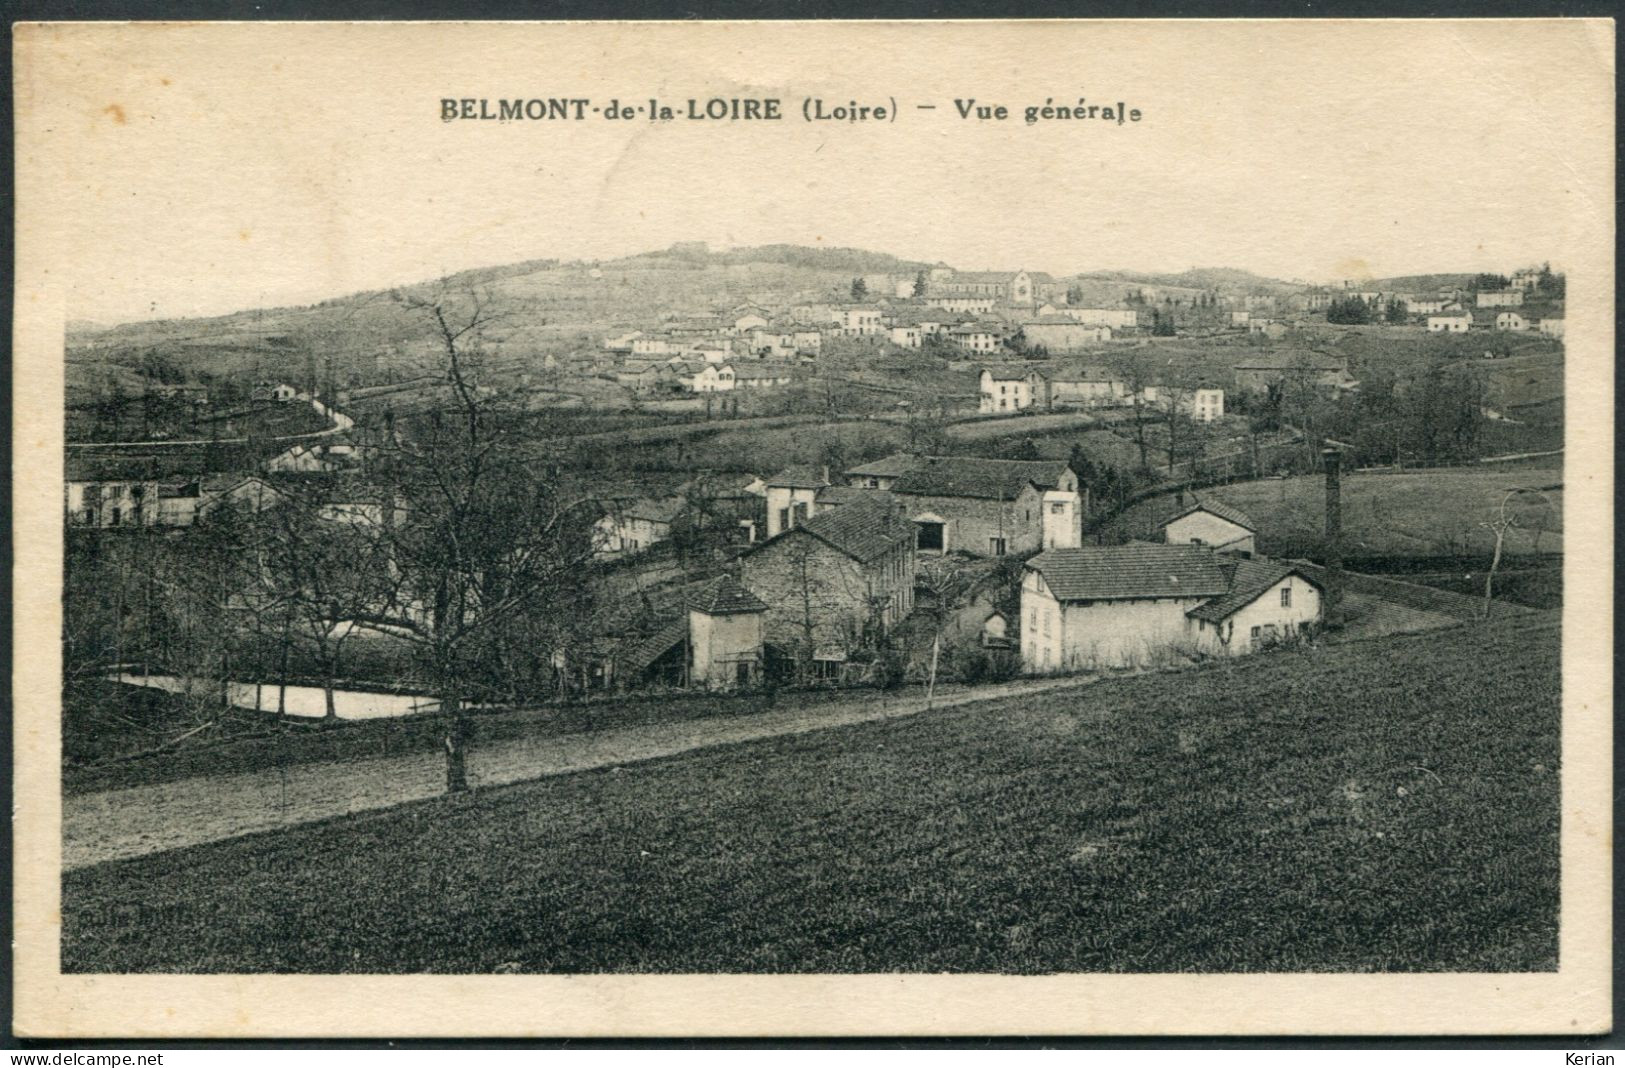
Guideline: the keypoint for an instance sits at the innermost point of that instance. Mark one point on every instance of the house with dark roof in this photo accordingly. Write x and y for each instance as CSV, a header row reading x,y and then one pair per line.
x,y
634,526
881,473
835,582
1138,605
1212,523
989,507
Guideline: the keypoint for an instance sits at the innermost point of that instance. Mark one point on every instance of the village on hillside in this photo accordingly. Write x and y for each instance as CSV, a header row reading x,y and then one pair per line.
x,y
437,539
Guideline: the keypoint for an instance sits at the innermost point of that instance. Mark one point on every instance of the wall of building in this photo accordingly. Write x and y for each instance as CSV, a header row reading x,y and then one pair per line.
x,y
1100,634
1204,528
806,584
780,498
718,644
1234,636
970,522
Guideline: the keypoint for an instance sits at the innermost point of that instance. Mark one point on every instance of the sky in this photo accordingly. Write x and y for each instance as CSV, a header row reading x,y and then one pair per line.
x,y
187,170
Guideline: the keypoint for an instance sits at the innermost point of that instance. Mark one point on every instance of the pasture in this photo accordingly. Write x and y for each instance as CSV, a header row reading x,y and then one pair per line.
x,y
1377,806
1441,511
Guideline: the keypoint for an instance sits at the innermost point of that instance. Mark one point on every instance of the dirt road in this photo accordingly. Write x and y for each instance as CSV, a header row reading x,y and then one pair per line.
x,y
133,821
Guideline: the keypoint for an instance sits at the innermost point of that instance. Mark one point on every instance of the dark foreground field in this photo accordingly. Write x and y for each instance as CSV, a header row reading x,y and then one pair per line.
x,y
1386,805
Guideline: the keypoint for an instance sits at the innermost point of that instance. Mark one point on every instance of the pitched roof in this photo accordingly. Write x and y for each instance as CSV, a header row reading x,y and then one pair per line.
x,y
725,596
1248,581
887,466
653,509
863,530
639,658
1008,374
1215,507
760,370
831,496
1121,572
967,476
800,476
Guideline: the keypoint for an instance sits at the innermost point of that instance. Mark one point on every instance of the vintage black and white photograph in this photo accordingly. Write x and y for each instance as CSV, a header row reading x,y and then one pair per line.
x,y
1084,500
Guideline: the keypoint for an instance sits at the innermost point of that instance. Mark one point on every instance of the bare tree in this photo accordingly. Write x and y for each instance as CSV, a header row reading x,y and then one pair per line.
x,y
488,538
1503,522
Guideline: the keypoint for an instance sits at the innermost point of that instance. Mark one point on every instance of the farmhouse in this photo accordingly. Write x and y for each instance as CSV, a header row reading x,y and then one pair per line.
x,y
974,337
1005,287
1500,298
1010,389
724,631
883,473
1514,320
834,583
1552,325
1452,322
1211,523
1324,372
860,320
990,507
1060,334
1135,605
792,498
635,526
974,305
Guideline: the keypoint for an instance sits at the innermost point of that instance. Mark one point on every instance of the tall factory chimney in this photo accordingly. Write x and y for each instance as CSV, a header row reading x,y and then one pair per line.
x,y
1332,460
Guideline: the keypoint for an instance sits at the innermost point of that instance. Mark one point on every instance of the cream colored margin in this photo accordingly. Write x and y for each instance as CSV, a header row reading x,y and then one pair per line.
x,y
1575,999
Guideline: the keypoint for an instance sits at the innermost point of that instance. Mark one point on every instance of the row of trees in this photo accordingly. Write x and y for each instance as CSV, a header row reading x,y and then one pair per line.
x,y
470,555
1355,311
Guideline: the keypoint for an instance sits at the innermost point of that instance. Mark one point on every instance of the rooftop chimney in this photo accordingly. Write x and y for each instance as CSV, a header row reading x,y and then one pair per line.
x,y
1333,462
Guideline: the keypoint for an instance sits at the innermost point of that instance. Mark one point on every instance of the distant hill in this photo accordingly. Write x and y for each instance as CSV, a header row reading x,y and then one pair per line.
x,y
1219,278
1419,283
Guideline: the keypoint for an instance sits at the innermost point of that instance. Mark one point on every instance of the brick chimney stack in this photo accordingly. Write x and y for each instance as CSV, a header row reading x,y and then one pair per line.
x,y
1332,459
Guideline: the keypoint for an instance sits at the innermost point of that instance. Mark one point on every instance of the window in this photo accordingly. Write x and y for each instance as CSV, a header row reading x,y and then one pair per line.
x,y
874,483
1257,631
1286,596
1057,508
784,519
931,538
996,546
801,512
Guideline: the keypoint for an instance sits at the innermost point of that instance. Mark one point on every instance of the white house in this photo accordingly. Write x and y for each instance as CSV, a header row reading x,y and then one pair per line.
x,y
1009,389
1500,298
1240,318
713,378
1513,320
1449,323
975,305
1213,524
907,337
1552,325
973,337
749,321
792,498
635,526
1207,404
1138,605
761,375
860,320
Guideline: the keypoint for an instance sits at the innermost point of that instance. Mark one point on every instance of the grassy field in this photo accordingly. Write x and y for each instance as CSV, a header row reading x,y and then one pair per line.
x,y
1437,511
1387,805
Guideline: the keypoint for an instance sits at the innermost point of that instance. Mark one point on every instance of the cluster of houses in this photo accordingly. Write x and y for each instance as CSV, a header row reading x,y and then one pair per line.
x,y
1018,387
830,566
108,490
752,345
1497,309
